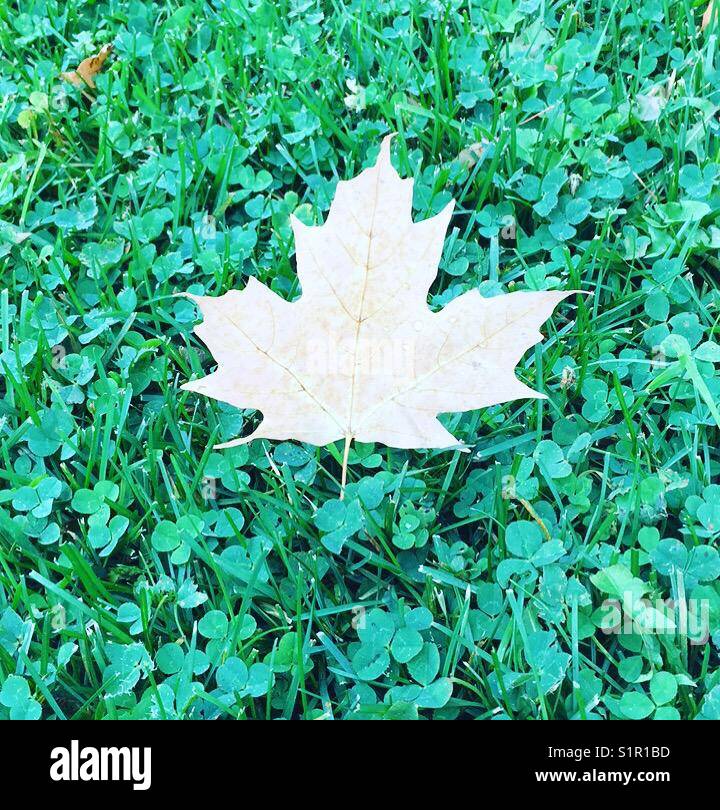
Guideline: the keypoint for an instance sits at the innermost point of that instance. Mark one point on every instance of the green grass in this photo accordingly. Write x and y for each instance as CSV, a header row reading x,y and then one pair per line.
x,y
142,574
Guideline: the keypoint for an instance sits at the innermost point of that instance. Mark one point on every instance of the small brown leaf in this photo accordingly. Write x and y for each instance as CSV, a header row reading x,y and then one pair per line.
x,y
470,156
87,69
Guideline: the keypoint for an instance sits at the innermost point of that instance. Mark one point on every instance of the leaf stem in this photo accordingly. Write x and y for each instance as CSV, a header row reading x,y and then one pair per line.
x,y
346,453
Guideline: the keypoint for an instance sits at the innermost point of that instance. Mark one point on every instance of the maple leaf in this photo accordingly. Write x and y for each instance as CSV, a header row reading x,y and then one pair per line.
x,y
84,75
360,355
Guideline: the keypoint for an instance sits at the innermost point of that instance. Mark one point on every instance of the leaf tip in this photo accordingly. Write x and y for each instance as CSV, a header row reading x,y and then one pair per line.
x,y
384,156
387,141
231,443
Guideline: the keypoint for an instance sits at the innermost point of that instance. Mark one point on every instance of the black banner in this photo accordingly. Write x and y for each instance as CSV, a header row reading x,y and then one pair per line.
x,y
193,758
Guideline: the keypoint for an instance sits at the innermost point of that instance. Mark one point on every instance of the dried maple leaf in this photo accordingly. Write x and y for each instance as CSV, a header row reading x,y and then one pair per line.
x,y
86,71
360,355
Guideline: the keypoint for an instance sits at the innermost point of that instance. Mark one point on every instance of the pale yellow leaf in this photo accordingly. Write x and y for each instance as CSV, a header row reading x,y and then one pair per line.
x,y
360,355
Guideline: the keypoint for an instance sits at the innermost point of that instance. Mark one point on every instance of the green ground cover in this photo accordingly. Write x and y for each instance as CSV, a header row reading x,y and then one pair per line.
x,y
143,574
